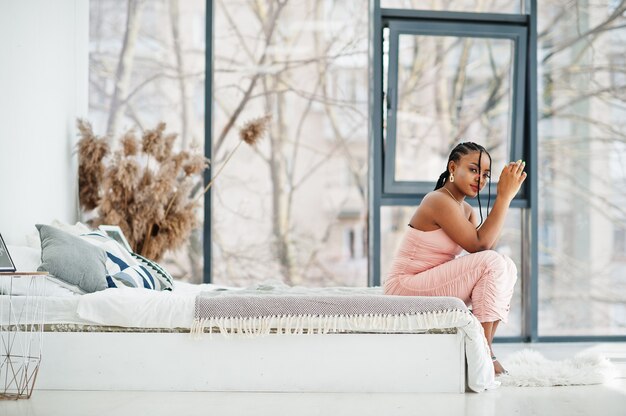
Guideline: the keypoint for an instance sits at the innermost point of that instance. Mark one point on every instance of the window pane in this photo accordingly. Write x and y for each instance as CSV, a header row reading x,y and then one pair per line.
x,y
293,208
582,182
147,65
393,225
451,89
493,6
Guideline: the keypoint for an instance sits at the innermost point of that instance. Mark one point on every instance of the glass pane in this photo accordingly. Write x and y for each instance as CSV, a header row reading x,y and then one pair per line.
x,y
147,65
492,6
293,208
451,89
393,225
582,175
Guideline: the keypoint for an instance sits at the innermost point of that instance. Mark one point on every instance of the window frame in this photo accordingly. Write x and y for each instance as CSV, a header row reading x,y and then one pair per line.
x,y
443,27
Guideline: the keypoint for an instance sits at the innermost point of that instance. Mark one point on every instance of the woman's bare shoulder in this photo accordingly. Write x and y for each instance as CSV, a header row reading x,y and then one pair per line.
x,y
431,195
432,203
423,218
434,198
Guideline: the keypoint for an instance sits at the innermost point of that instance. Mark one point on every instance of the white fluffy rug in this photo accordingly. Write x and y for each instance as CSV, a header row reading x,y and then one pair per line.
x,y
529,368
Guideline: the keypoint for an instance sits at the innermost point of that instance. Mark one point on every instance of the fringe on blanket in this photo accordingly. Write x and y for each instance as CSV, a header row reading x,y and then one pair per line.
x,y
315,324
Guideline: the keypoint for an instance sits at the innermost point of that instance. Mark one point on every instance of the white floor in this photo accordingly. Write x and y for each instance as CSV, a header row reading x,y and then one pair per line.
x,y
608,399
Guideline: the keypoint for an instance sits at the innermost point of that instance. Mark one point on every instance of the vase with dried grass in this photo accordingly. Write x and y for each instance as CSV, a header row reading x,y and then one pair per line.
x,y
145,187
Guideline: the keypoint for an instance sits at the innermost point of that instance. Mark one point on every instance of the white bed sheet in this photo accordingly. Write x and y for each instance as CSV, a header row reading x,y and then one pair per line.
x,y
127,307
58,310
143,308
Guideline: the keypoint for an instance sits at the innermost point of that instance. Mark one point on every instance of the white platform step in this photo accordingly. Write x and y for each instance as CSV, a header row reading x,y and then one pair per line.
x,y
274,363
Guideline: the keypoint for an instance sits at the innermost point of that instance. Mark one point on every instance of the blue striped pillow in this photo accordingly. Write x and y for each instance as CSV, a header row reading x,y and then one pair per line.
x,y
123,268
166,279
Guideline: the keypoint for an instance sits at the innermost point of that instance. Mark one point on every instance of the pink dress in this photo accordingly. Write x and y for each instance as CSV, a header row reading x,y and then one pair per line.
x,y
426,265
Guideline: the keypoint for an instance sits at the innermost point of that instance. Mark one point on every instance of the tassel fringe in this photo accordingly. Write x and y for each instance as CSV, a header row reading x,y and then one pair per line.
x,y
325,324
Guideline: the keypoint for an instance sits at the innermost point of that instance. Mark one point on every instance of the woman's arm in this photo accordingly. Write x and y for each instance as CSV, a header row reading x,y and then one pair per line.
x,y
452,220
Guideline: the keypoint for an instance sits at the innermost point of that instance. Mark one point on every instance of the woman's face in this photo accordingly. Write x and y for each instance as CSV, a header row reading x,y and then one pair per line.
x,y
466,173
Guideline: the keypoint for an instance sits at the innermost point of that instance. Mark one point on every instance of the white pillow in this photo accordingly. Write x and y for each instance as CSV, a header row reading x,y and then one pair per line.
x,y
26,259
33,240
76,229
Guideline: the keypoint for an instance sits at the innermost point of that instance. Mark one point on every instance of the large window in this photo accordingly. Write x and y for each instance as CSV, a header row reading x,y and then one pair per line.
x,y
389,92
582,181
293,208
147,65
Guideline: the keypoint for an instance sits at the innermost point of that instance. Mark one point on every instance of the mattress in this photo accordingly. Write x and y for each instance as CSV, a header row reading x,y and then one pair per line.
x,y
110,308
131,309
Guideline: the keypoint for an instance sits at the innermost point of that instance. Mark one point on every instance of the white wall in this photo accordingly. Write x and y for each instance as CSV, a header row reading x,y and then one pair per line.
x,y
43,88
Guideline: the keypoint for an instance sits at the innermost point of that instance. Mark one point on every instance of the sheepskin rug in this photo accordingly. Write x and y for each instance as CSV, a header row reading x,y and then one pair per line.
x,y
529,368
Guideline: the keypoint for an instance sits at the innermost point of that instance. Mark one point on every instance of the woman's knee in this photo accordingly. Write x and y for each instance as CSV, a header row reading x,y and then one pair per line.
x,y
500,265
494,260
510,265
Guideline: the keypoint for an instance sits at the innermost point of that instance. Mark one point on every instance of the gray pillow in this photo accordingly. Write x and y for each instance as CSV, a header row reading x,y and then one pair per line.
x,y
68,258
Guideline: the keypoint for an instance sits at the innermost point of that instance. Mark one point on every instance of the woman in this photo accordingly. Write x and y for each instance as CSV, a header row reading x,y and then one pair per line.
x,y
444,224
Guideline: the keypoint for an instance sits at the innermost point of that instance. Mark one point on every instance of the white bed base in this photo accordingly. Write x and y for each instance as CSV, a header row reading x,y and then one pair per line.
x,y
417,363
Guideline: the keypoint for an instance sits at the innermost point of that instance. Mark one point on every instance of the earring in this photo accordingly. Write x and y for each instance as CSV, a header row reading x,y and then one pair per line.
x,y
451,177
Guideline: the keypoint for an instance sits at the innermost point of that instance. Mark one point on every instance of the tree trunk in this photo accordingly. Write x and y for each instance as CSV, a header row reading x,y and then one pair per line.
x,y
442,103
125,65
280,208
180,70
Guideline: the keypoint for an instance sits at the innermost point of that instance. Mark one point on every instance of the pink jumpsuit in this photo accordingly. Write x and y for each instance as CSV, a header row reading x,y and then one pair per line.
x,y
426,265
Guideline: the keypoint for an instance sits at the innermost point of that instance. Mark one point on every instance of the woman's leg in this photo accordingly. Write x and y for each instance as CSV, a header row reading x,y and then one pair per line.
x,y
493,330
490,331
488,328
484,280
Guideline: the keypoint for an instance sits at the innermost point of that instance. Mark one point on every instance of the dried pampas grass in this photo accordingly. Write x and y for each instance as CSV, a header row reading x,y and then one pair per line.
x,y
254,129
250,133
92,150
146,187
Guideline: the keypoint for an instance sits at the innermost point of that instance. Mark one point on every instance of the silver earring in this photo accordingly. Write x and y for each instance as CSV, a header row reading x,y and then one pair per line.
x,y
452,177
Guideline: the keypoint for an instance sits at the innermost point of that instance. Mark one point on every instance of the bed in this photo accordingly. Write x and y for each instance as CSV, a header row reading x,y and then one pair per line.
x,y
134,339
175,336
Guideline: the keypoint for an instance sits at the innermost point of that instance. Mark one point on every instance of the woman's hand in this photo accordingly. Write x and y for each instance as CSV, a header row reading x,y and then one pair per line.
x,y
511,180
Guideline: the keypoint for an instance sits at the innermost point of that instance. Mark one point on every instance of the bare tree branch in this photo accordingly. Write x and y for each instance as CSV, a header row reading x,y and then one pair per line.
x,y
605,25
270,25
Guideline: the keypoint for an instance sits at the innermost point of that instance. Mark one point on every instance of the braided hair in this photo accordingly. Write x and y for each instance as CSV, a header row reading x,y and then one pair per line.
x,y
460,150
